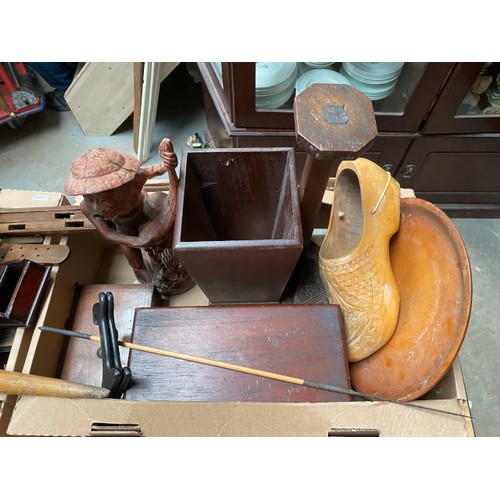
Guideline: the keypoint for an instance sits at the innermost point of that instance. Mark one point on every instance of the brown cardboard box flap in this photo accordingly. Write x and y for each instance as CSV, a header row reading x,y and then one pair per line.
x,y
19,198
39,416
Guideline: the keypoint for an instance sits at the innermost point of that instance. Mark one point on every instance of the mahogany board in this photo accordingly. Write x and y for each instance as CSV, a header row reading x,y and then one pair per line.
x,y
80,362
303,341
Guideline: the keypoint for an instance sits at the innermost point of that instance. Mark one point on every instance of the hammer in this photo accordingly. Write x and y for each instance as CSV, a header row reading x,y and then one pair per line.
x,y
36,385
333,122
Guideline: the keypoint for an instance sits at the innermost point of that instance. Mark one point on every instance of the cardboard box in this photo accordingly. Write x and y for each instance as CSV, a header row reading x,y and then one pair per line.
x,y
18,198
94,261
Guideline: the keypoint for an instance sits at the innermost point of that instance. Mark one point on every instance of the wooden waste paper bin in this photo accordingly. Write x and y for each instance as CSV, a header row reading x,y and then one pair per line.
x,y
238,228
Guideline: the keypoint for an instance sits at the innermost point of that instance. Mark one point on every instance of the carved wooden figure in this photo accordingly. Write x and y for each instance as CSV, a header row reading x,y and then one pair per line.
x,y
115,201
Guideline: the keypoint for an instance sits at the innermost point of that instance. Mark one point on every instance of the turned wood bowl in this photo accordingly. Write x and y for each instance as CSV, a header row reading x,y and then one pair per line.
x,y
432,269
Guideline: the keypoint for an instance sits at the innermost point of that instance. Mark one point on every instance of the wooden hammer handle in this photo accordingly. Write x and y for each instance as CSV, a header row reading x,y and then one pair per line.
x,y
36,385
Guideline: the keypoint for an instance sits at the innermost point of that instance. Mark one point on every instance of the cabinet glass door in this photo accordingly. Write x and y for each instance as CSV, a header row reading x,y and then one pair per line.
x,y
400,103
483,96
469,102
395,101
389,85
262,93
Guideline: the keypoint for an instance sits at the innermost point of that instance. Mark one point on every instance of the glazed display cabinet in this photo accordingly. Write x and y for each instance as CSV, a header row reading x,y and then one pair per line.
x,y
438,123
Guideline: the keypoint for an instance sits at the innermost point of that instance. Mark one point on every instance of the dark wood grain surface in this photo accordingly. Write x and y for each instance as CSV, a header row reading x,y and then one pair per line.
x,y
304,341
22,283
238,229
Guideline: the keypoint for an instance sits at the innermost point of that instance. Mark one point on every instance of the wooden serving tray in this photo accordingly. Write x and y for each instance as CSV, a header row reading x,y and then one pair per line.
x,y
304,341
432,270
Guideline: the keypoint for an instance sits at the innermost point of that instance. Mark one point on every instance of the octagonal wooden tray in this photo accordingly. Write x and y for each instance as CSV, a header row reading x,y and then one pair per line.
x,y
432,269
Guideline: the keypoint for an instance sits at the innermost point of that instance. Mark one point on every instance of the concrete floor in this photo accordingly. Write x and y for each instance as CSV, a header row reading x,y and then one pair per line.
x,y
480,351
38,156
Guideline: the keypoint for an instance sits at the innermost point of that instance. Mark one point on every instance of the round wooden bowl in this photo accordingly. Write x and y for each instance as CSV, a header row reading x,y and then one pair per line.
x,y
432,270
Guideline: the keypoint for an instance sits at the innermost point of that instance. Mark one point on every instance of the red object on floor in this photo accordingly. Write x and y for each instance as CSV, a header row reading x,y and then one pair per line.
x,y
7,87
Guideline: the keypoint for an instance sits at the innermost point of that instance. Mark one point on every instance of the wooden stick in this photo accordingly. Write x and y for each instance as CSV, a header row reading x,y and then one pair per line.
x,y
36,385
249,371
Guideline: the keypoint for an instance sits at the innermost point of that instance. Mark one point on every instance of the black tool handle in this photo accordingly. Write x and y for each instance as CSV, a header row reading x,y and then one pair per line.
x,y
111,374
126,373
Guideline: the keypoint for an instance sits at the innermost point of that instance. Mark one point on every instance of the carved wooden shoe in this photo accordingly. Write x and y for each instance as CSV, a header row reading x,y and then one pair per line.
x,y
354,258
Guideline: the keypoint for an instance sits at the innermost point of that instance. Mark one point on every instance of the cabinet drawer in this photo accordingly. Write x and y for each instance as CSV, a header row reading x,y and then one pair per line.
x,y
461,170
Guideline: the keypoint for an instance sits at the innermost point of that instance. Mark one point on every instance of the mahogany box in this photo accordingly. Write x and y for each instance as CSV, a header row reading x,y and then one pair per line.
x,y
304,341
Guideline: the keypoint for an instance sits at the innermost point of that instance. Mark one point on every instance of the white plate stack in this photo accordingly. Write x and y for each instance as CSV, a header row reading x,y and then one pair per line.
x,y
319,76
318,65
376,80
304,67
274,83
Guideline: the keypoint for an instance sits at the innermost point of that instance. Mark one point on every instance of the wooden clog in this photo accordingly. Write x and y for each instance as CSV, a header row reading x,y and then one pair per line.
x,y
354,258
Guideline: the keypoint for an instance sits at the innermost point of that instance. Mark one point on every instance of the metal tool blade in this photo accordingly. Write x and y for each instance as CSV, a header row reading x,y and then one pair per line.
x,y
21,99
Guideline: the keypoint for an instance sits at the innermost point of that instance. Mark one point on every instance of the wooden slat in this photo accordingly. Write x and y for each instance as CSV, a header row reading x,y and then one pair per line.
x,y
46,220
53,227
36,213
55,220
40,254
